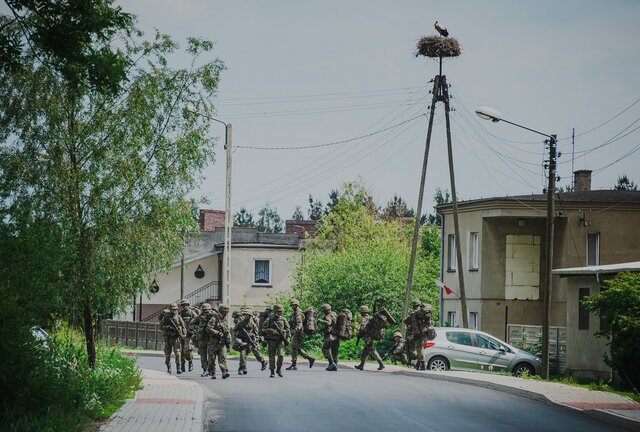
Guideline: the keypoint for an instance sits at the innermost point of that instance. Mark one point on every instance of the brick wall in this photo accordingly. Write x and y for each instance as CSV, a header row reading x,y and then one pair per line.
x,y
211,219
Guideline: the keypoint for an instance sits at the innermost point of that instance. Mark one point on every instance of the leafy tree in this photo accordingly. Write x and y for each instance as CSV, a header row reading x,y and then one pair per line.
x,y
440,197
297,214
108,174
70,37
618,305
315,209
333,200
397,208
269,220
431,241
243,218
625,184
355,259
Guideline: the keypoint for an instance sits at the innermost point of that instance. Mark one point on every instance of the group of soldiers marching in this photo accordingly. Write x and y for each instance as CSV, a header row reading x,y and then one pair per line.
x,y
186,327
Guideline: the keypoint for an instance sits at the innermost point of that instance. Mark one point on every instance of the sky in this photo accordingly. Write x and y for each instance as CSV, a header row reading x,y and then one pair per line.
x,y
342,76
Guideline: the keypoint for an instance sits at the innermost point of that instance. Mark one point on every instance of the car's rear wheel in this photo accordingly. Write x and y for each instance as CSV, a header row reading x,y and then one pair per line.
x,y
522,368
438,364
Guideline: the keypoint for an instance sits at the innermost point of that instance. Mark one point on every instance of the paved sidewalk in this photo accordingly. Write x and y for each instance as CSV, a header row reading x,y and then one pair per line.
x,y
166,403
610,407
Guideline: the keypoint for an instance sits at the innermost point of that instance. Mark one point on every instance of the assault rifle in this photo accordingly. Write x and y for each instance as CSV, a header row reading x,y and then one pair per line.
x,y
250,340
391,350
175,328
282,338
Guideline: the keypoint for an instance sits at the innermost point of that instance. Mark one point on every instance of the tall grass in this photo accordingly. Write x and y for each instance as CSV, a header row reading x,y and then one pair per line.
x,y
55,390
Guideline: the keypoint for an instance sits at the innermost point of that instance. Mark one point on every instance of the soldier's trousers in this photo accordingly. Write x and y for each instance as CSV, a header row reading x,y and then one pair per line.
x,y
409,350
202,350
244,352
418,344
370,348
330,348
399,357
171,343
275,349
218,350
187,350
296,348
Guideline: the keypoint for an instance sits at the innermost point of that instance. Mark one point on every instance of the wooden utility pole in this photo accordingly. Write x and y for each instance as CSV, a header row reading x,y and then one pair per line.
x,y
440,93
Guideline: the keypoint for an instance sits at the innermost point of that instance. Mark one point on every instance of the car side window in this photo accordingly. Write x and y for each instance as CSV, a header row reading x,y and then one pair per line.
x,y
461,338
488,343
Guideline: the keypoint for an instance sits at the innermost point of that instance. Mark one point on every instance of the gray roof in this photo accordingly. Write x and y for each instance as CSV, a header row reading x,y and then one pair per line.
x,y
598,269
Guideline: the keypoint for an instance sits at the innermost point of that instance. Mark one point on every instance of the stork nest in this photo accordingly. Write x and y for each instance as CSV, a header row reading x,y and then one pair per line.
x,y
437,46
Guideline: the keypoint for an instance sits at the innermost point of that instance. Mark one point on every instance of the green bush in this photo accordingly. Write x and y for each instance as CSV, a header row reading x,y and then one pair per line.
x,y
54,389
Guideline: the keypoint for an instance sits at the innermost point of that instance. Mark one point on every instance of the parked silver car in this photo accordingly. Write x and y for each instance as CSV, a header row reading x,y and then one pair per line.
x,y
467,349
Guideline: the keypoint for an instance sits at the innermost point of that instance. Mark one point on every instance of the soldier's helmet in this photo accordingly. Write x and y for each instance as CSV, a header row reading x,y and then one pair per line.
x,y
184,301
206,307
277,308
364,309
173,306
295,302
416,303
247,311
223,308
326,307
397,334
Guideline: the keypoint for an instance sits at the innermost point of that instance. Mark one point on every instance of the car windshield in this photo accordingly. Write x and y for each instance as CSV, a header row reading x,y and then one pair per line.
x,y
462,338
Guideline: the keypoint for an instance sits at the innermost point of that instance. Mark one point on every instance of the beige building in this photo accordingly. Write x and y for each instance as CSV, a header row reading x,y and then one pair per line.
x,y
503,250
261,267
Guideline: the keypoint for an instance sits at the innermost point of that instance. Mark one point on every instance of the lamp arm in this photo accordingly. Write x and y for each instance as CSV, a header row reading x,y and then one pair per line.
x,y
529,129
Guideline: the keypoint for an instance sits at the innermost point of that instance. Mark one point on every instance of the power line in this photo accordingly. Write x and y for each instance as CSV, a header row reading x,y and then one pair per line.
x,y
322,94
297,100
335,142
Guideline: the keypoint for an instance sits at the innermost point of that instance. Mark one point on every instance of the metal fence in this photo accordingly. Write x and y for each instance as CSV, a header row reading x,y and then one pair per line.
x,y
145,335
208,292
519,335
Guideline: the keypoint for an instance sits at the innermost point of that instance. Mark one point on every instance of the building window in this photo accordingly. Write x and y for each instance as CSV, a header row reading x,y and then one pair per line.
x,y
583,313
451,319
473,320
473,251
262,272
452,262
593,249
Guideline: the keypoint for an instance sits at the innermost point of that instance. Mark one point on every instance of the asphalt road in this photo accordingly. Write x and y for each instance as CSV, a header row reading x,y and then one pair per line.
x,y
350,400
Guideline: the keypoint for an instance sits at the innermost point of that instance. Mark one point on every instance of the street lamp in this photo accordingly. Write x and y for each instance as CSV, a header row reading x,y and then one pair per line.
x,y
227,208
487,113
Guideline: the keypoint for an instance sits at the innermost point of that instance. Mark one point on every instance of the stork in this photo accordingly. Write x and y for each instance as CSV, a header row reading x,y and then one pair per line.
x,y
441,29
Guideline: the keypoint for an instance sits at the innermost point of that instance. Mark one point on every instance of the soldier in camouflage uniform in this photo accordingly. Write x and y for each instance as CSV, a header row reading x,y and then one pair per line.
x,y
419,331
331,343
198,327
174,332
187,315
369,346
246,333
296,323
397,354
218,342
276,332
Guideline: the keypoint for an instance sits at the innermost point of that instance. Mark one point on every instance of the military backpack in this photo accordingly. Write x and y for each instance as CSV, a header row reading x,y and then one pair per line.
x,y
310,322
378,323
345,324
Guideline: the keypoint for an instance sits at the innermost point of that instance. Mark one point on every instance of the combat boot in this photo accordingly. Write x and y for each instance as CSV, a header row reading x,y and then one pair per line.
x,y
244,370
293,366
273,374
178,370
360,366
311,362
380,365
204,374
225,375
213,376
240,370
182,368
333,367
279,372
190,365
422,366
169,369
264,365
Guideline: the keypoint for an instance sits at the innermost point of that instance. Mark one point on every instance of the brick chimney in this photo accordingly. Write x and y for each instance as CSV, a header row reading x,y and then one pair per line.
x,y
582,181
211,219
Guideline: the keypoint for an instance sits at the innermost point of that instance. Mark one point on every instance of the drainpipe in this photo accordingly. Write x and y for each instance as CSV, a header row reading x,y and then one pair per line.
x,y
441,296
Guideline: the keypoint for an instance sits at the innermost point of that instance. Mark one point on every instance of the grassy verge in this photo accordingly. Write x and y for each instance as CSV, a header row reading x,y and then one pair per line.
x,y
591,384
55,390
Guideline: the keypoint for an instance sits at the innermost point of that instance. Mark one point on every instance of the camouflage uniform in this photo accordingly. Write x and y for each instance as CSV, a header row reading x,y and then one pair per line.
x,y
418,335
174,330
198,326
398,355
218,342
331,343
296,323
246,333
277,333
187,315
369,346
